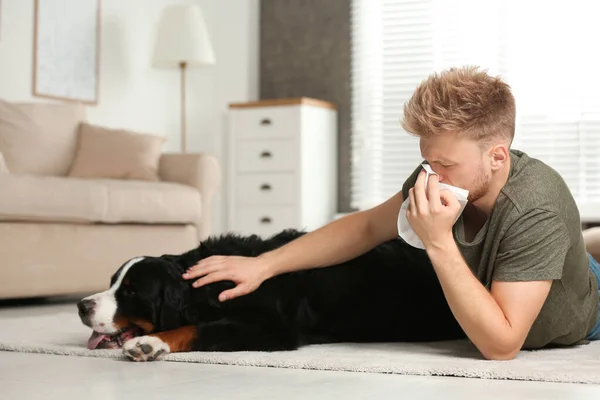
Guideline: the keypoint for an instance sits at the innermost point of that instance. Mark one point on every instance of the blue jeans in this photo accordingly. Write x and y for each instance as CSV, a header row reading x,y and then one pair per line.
x,y
595,267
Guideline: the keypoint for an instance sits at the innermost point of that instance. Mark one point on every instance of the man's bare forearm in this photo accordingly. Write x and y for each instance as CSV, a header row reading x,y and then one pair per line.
x,y
473,306
338,241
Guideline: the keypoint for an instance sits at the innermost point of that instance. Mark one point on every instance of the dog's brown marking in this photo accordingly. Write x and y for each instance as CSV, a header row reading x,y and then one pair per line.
x,y
180,339
121,322
146,326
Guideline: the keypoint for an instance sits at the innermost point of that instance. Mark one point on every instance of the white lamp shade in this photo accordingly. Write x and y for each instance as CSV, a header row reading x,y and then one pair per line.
x,y
183,37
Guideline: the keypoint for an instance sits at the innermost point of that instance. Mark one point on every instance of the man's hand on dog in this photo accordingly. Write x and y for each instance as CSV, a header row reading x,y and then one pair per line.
x,y
431,212
248,273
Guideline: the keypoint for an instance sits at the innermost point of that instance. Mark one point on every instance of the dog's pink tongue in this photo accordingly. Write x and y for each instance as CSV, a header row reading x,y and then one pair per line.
x,y
95,340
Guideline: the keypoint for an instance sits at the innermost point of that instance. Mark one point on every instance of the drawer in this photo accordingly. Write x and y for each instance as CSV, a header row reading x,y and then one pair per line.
x,y
267,122
266,155
265,221
266,189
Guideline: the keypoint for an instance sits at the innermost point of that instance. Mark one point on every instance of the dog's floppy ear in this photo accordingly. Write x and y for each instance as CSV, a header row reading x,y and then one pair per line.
x,y
174,293
170,312
180,261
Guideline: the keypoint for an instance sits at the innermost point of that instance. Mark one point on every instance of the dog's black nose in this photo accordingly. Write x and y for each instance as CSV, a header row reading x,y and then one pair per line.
x,y
85,306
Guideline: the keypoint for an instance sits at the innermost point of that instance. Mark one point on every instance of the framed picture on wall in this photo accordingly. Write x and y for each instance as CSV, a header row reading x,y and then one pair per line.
x,y
66,50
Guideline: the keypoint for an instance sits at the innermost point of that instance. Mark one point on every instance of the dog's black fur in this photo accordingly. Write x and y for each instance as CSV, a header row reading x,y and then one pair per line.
x,y
388,294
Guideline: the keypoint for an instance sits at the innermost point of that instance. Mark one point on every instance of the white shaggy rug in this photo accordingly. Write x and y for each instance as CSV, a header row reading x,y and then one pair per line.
x,y
62,333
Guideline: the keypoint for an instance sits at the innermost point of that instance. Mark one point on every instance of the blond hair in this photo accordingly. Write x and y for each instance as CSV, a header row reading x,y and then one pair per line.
x,y
463,100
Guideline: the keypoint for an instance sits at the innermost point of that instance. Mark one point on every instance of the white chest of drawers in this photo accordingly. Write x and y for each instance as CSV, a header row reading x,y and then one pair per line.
x,y
282,165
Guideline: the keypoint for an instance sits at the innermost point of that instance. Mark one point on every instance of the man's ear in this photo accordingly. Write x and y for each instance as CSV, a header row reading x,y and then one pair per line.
x,y
499,155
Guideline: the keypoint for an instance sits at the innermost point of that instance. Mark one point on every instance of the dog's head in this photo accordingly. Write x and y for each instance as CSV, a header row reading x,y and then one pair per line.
x,y
146,294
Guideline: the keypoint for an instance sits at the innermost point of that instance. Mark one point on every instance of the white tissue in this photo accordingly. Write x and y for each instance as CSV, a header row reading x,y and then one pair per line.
x,y
405,230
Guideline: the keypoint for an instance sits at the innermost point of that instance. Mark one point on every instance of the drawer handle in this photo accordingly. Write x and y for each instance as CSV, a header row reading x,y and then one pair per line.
x,y
265,187
265,154
265,121
265,220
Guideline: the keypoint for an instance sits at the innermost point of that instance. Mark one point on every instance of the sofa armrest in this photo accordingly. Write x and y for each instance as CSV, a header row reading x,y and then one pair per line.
x,y
3,167
200,170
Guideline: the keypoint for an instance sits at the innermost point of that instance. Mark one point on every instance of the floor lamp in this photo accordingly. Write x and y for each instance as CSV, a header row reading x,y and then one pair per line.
x,y
183,42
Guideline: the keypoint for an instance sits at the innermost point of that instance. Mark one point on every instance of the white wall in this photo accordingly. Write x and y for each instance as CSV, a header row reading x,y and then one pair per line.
x,y
134,95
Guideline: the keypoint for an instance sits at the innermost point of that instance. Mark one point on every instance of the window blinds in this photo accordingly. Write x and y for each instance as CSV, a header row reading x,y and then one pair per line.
x,y
547,57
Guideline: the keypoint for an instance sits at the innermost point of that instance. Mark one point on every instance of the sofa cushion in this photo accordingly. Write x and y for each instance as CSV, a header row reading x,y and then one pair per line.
x,y
62,199
116,154
29,130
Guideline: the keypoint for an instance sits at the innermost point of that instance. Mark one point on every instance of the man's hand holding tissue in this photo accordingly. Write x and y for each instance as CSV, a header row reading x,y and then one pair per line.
x,y
432,212
496,322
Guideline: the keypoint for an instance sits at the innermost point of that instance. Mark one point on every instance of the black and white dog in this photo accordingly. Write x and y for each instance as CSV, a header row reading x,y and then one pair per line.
x,y
389,294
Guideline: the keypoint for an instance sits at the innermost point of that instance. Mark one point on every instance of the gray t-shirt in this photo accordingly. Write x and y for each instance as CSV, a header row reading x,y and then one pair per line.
x,y
534,233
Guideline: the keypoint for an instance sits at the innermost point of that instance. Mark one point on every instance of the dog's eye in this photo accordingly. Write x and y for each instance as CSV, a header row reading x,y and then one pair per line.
x,y
128,291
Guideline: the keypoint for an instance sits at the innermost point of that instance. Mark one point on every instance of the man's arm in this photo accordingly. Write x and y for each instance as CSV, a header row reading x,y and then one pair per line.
x,y
497,322
338,241
530,256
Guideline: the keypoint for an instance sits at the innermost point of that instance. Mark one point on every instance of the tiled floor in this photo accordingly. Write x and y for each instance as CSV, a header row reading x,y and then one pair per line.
x,y
37,376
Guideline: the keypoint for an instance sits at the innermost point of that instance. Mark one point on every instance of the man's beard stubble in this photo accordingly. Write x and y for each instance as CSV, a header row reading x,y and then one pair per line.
x,y
482,185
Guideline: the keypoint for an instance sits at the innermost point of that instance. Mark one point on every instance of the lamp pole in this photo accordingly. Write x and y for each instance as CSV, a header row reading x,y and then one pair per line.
x,y
182,66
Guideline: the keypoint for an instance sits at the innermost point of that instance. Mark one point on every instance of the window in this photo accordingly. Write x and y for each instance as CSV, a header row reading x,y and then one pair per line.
x,y
544,50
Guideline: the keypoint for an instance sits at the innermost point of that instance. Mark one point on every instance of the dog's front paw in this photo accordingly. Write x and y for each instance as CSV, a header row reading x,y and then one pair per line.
x,y
145,348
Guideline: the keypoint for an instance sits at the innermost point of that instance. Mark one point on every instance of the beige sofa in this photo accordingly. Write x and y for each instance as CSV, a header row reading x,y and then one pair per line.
x,y
63,235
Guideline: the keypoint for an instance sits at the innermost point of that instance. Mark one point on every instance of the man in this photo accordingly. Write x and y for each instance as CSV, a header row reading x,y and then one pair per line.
x,y
514,267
